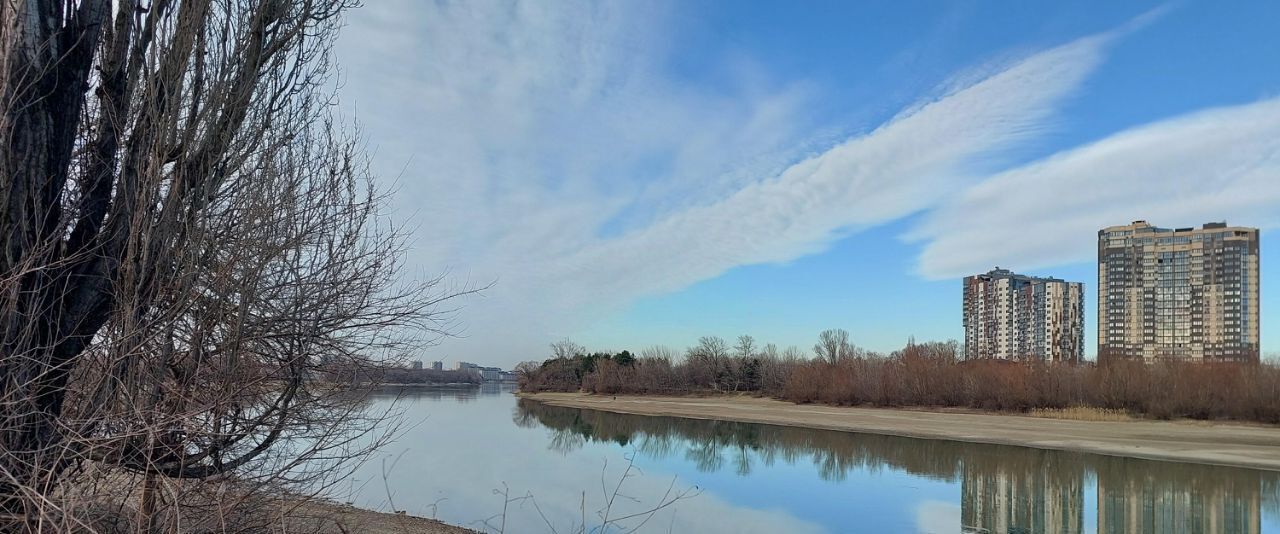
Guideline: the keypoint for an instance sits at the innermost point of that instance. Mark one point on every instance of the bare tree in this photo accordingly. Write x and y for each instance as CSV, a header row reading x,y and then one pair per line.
x,y
711,347
708,363
792,354
658,352
190,246
833,345
567,349
770,351
746,346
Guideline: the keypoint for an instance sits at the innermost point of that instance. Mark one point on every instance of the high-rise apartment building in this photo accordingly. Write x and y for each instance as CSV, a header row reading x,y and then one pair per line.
x,y
1185,293
1016,317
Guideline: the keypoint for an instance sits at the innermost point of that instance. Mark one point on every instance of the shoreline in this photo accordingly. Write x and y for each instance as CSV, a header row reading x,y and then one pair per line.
x,y
348,518
1212,443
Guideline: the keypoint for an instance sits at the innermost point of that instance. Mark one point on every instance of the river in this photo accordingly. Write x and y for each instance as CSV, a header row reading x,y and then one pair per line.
x,y
561,468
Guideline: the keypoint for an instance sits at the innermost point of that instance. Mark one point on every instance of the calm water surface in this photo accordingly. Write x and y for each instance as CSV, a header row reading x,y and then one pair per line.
x,y
463,444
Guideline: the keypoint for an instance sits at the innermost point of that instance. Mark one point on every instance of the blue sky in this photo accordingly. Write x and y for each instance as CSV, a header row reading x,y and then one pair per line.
x,y
639,173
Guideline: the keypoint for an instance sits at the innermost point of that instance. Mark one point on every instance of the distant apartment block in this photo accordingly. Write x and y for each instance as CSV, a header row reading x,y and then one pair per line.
x,y
1186,293
1015,317
488,374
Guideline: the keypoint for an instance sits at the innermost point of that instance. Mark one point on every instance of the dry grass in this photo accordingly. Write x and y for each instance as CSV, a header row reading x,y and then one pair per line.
x,y
1082,413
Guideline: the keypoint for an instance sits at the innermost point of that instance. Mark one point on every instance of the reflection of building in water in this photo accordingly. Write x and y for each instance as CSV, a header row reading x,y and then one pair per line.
x,y
1047,498
1003,489
1141,505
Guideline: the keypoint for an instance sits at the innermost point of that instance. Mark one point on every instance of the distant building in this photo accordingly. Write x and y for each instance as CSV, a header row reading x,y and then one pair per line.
x,y
417,364
437,366
1016,317
1186,293
488,374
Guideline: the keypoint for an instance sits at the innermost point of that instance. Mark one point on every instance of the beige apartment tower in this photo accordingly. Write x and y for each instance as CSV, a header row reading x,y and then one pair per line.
x,y
1011,316
1187,294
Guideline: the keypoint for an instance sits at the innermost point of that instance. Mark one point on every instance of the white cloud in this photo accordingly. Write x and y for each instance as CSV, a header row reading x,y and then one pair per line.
x,y
1179,172
938,517
904,166
549,146
518,133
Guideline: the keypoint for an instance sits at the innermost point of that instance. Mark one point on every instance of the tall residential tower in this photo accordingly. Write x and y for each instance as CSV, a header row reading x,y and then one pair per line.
x,y
1015,317
1186,293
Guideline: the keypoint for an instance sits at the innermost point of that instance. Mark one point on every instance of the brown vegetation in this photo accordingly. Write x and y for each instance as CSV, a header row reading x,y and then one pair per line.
x,y
191,245
926,375
1081,413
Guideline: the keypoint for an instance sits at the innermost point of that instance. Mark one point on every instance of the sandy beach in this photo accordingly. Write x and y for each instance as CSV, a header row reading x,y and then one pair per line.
x,y
1230,444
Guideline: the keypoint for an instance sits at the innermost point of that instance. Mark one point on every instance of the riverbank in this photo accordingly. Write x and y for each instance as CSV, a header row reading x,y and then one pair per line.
x,y
343,519
1238,445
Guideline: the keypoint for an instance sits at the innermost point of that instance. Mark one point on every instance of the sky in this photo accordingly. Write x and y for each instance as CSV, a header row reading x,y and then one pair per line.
x,y
636,173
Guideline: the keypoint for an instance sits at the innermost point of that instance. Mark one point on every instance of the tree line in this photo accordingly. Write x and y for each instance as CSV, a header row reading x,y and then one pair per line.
x,y
926,374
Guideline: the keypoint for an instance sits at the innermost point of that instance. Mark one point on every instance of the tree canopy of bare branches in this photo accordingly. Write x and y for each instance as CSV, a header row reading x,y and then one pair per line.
x,y
833,345
189,242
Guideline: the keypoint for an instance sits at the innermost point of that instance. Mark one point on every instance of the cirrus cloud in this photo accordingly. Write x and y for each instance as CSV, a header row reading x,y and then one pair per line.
x,y
550,147
1177,172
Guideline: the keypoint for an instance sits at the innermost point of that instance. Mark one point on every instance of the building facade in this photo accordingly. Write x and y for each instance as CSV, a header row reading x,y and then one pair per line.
x,y
1015,317
488,374
1185,294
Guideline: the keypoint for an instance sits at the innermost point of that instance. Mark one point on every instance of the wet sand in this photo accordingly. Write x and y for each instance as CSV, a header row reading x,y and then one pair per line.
x,y
1230,444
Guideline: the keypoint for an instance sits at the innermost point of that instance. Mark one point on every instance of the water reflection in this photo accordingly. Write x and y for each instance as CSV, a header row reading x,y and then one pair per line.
x,y
1022,490
1003,489
459,392
1131,499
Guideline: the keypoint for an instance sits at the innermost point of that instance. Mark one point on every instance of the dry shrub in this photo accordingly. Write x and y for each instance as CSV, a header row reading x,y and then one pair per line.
x,y
931,375
1081,413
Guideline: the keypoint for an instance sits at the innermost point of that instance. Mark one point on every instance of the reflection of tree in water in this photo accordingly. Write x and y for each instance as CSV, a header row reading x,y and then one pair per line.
x,y
657,446
566,441
711,445
1003,488
705,455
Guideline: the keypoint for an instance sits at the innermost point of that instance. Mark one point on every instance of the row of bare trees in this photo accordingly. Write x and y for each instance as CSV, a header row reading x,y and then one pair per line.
x,y
921,374
188,241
